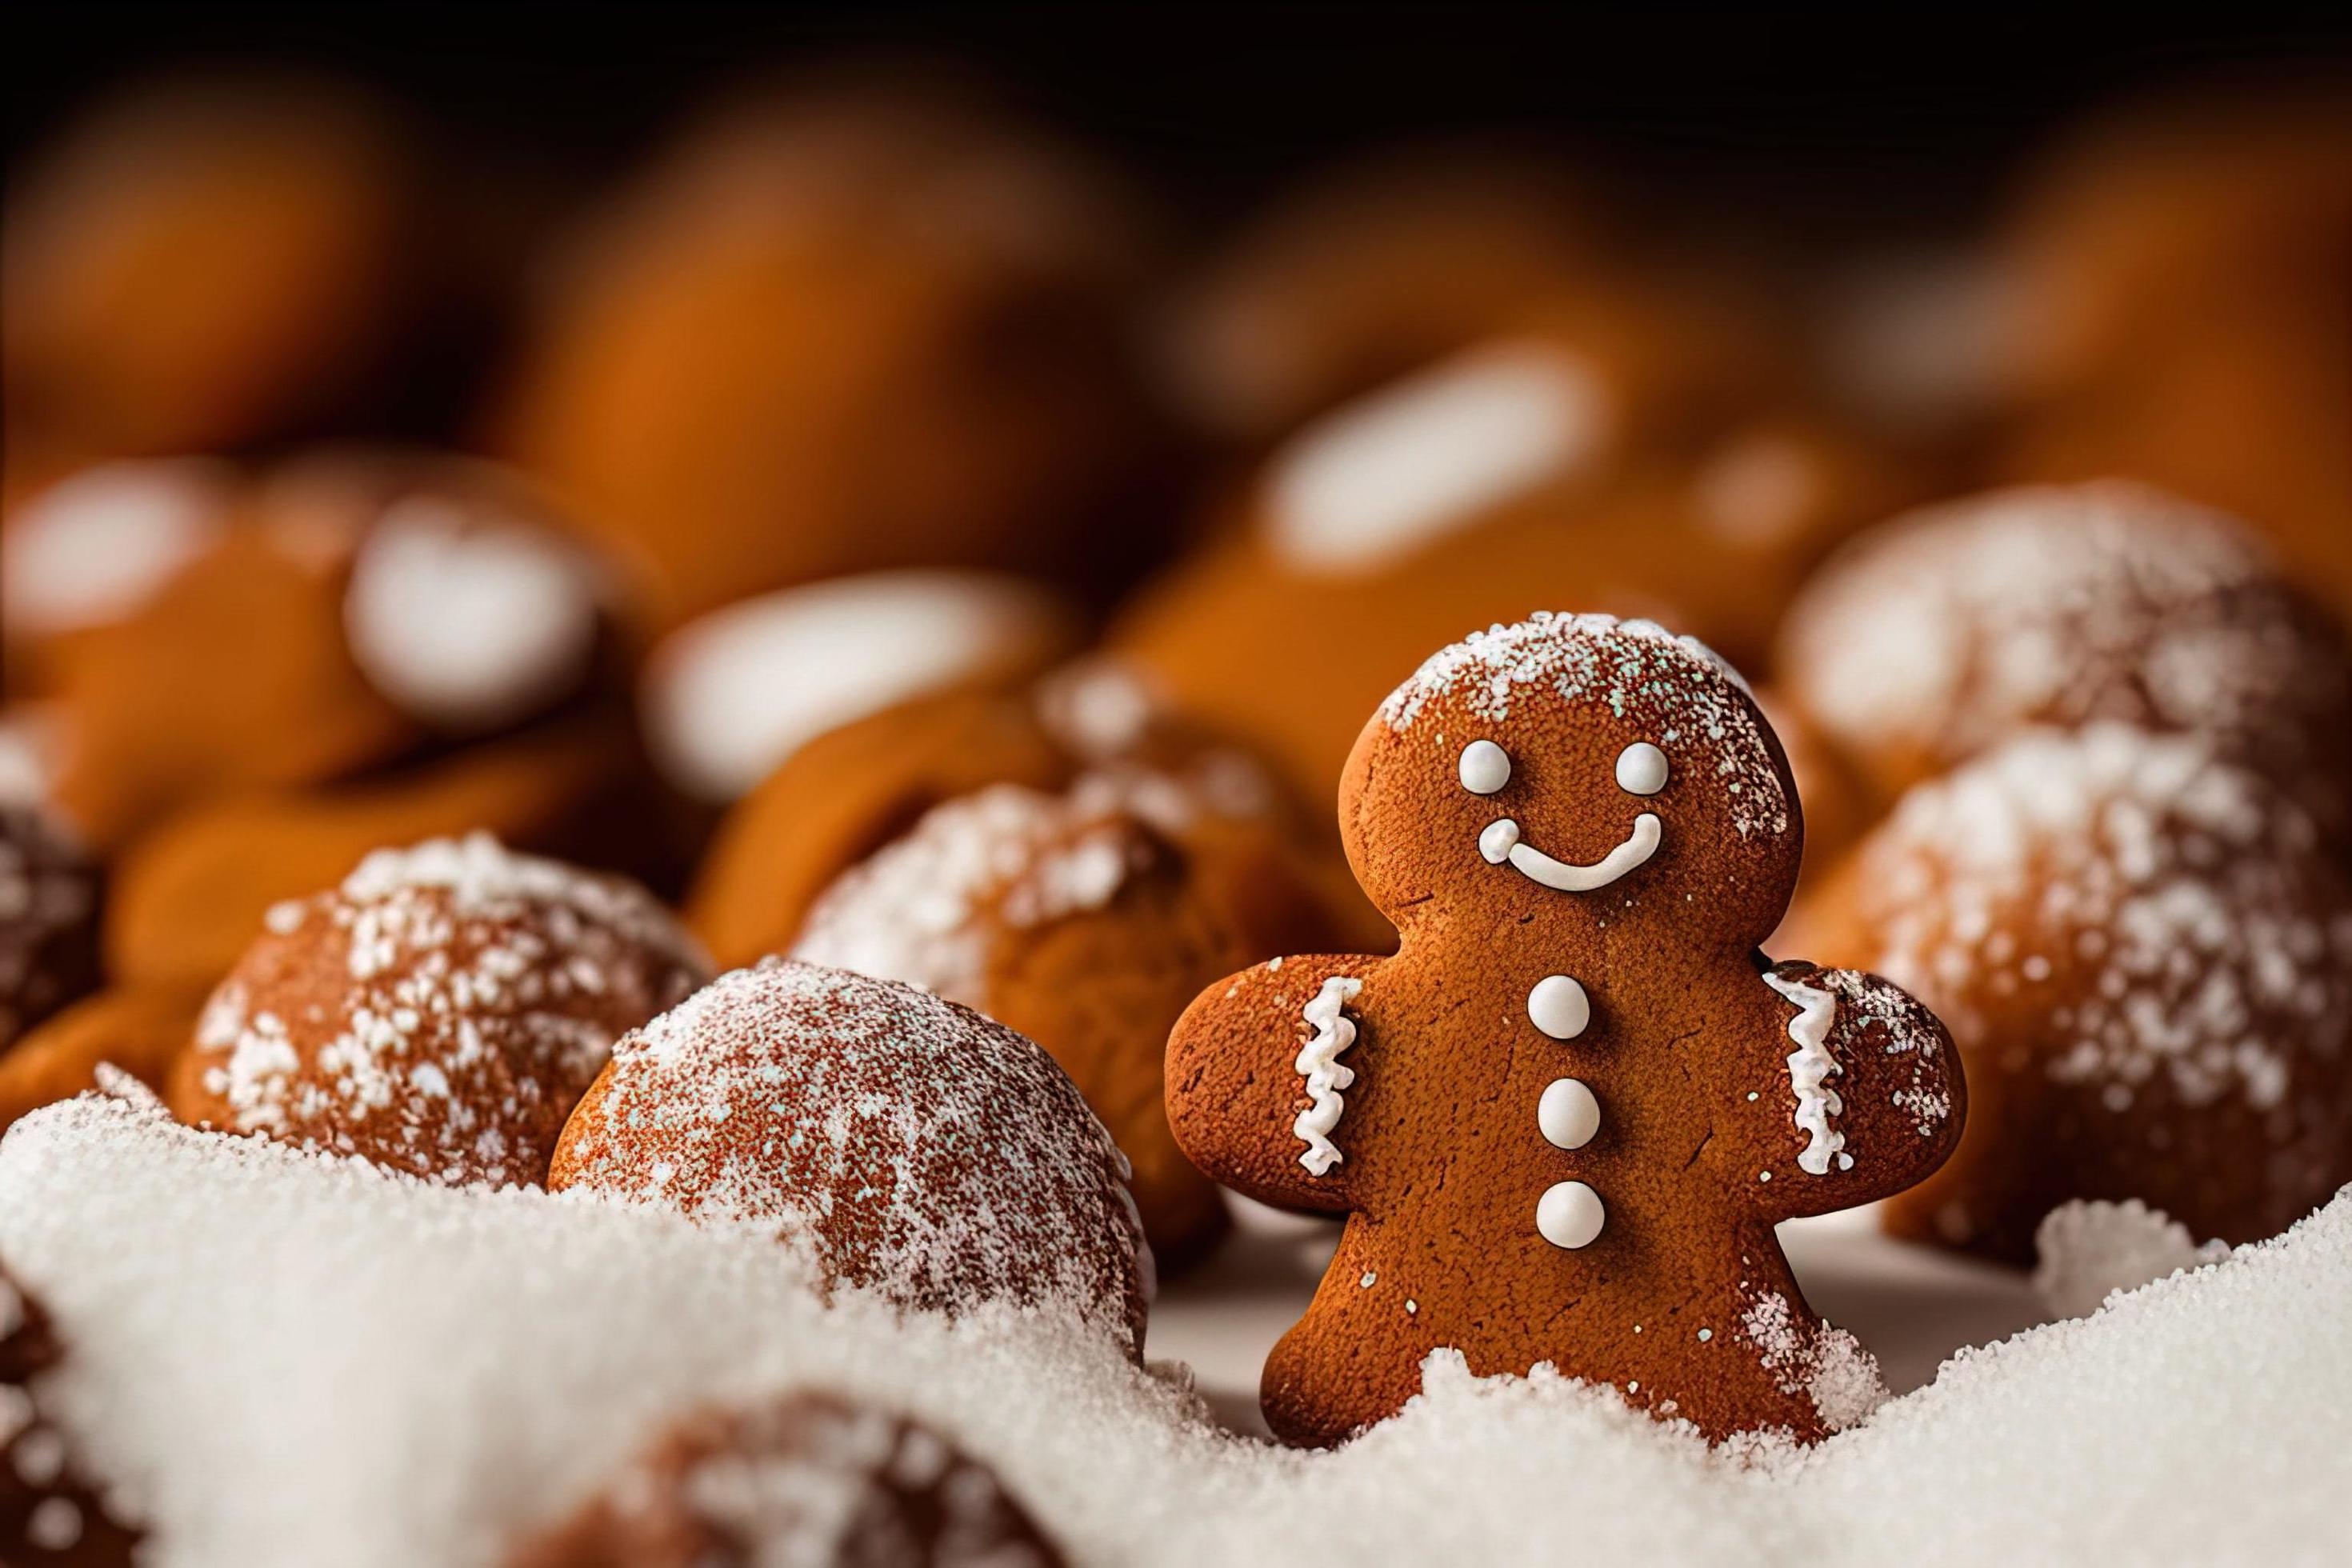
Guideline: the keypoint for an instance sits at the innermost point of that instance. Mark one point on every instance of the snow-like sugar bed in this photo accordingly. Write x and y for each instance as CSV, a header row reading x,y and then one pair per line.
x,y
287,1359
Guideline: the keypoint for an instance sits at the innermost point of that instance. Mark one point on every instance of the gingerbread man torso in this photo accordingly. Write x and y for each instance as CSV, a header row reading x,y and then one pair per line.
x,y
1565,1116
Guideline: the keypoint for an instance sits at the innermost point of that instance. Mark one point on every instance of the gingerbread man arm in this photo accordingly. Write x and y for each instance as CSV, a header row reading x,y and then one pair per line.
x,y
1874,1098
1258,1069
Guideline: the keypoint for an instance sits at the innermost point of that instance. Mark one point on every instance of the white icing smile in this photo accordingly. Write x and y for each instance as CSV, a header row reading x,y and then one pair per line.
x,y
1501,843
1642,769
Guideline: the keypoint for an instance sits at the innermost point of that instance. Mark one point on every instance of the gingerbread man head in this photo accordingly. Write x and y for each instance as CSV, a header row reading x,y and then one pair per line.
x,y
1564,1117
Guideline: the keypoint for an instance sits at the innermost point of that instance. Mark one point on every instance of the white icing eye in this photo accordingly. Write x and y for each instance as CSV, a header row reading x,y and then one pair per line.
x,y
1485,768
1640,769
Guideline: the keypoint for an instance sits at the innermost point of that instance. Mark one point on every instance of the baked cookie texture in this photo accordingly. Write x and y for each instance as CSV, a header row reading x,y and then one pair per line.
x,y
52,1514
437,1014
2146,960
1564,1117
1609,444
842,329
808,1478
1944,632
2180,275
912,1147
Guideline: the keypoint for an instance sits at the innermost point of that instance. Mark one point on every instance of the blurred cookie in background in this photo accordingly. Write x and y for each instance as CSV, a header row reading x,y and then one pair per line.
x,y
1940,633
337,612
845,328
2182,280
1367,274
1620,451
204,261
52,1510
2146,964
729,697
50,909
137,1029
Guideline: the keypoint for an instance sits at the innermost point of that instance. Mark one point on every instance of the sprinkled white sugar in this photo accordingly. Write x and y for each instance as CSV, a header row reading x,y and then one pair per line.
x,y
1319,1063
1947,628
1394,472
2087,1250
732,695
2177,881
915,909
93,548
1827,1365
1631,667
961,1154
469,623
1100,707
392,1373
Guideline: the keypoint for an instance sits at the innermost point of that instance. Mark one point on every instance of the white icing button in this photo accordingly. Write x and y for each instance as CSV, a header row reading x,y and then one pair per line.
x,y
1484,767
1568,1114
1570,1214
1557,1007
1640,769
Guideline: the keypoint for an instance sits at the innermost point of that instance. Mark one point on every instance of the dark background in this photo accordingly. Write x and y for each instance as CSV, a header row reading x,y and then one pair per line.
x,y
1838,116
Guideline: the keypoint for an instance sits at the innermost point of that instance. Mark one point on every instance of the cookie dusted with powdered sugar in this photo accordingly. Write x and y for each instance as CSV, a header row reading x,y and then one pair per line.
x,y
914,1147
1942,633
2146,964
438,1014
810,1479
1565,1117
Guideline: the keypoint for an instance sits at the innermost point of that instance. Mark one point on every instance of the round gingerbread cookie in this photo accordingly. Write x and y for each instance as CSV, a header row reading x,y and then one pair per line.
x,y
1564,1117
915,1148
2148,966
51,1513
810,1477
1940,633
1086,919
438,1014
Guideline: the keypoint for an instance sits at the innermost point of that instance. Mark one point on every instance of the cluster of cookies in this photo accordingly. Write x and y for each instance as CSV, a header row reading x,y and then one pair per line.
x,y
798,771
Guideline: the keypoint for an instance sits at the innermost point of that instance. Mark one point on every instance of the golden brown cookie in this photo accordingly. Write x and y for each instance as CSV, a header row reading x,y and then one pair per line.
x,y
438,1014
912,1147
202,263
810,1477
1564,1117
1942,633
191,893
2147,968
142,1030
837,331
52,1515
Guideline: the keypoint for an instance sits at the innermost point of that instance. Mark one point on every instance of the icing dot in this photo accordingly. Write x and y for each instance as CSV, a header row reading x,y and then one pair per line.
x,y
1484,767
1640,769
1557,1007
1568,1115
1705,1335
1568,1214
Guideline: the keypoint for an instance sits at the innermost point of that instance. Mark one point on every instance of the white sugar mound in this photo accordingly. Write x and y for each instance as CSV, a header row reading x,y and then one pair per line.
x,y
730,697
2087,1250
287,1359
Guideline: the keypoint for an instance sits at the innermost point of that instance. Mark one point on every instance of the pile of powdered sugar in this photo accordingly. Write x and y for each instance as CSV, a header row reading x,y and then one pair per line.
x,y
284,1358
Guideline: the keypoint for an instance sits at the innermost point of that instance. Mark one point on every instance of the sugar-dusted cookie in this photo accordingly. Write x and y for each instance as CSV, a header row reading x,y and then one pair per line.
x,y
915,1148
1942,633
807,1479
48,919
51,1516
438,1014
2146,964
1564,1117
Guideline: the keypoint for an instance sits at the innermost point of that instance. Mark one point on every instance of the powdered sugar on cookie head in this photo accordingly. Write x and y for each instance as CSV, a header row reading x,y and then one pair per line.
x,y
468,622
1940,633
2142,944
1395,472
914,1146
729,697
438,1014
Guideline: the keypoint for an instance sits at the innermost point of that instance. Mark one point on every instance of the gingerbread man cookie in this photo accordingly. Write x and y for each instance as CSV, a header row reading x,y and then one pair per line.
x,y
1565,1117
